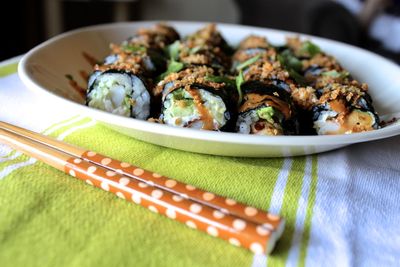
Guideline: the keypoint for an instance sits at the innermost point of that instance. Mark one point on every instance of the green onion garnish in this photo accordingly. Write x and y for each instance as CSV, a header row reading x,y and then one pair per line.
x,y
133,48
220,79
309,48
173,50
239,82
173,66
248,62
195,49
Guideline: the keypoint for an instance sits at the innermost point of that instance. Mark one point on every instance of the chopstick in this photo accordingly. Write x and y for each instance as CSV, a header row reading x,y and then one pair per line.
x,y
225,205
241,225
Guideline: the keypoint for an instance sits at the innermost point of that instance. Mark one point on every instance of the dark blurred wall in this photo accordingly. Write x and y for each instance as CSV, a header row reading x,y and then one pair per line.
x,y
24,30
317,17
28,28
284,14
77,14
33,23
325,18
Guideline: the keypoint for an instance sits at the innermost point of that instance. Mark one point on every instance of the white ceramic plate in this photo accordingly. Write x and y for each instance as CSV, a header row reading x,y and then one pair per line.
x,y
43,69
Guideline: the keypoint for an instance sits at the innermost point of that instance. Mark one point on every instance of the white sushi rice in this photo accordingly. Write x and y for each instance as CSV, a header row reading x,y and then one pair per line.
x,y
245,121
121,94
326,123
187,115
148,63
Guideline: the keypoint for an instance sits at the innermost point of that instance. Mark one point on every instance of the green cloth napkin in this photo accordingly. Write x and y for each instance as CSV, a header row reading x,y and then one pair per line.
x,y
48,218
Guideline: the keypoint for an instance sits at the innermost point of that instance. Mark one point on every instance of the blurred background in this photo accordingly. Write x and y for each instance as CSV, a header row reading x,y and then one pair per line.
x,y
371,24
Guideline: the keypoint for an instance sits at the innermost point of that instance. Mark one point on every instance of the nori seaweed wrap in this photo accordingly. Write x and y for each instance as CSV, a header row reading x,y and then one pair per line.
x,y
206,47
256,60
121,85
157,37
120,92
145,48
344,109
266,110
191,99
337,103
151,62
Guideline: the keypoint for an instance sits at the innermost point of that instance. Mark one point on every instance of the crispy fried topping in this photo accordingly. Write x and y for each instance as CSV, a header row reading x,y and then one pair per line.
x,y
189,76
254,41
205,55
266,54
209,35
304,97
323,61
267,72
348,93
157,37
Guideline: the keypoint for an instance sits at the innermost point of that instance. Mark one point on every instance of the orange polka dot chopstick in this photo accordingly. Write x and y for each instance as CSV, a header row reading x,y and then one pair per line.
x,y
237,223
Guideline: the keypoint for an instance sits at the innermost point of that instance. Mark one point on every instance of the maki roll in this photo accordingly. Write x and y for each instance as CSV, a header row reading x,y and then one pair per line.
x,y
158,37
194,90
208,36
145,49
190,99
206,47
120,85
253,46
337,103
344,109
256,60
317,68
150,62
266,110
120,92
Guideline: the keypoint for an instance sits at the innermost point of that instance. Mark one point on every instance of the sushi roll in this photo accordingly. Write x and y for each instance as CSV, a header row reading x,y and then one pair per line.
x,y
192,92
253,46
205,56
256,60
150,62
191,100
266,110
208,36
206,47
120,92
145,48
157,37
120,84
337,103
318,68
344,109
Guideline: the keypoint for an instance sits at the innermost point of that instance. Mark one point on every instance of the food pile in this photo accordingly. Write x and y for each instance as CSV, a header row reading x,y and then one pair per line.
x,y
201,82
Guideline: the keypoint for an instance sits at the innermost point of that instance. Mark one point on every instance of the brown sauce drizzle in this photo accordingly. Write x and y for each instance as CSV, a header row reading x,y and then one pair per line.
x,y
205,115
90,59
354,122
338,106
84,75
79,89
255,100
350,122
